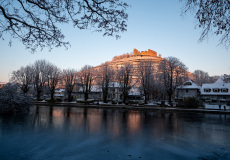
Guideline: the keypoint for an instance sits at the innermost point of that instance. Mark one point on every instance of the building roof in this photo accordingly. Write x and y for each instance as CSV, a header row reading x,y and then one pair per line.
x,y
114,84
94,88
189,85
222,83
59,90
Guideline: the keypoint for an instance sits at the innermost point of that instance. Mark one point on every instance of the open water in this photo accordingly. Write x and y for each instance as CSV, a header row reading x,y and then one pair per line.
x,y
67,133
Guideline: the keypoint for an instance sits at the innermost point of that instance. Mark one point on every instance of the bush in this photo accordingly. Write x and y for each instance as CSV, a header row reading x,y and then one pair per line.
x,y
228,102
12,101
190,102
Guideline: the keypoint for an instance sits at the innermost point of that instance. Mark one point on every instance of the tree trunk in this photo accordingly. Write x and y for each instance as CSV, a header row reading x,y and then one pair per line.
x,y
38,96
86,96
146,96
105,94
69,97
170,97
52,95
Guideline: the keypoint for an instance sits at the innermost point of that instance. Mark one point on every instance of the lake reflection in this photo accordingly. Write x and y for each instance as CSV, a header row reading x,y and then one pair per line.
x,y
87,133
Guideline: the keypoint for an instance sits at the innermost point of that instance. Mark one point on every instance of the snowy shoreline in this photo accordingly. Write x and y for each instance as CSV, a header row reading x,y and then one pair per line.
x,y
208,108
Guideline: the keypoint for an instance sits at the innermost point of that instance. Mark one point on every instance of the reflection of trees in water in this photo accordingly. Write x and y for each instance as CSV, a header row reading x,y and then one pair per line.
x,y
42,118
119,123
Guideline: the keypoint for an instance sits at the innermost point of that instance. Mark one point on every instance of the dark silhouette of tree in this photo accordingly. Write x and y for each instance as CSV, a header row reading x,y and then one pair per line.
x,y
124,76
86,76
213,17
69,79
105,75
53,77
35,22
200,77
40,72
173,73
145,71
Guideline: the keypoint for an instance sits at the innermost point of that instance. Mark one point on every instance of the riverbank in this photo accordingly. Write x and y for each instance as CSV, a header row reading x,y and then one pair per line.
x,y
139,107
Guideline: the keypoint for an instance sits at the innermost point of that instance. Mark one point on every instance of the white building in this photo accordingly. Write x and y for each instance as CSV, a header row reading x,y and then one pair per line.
x,y
218,91
188,89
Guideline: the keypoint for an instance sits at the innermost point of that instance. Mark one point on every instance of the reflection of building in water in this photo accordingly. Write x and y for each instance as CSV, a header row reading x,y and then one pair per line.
x,y
164,123
94,121
134,122
87,119
115,124
58,118
77,118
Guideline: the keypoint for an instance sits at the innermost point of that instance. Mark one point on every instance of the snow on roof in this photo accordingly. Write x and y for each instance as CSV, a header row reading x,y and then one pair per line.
x,y
59,90
189,85
222,83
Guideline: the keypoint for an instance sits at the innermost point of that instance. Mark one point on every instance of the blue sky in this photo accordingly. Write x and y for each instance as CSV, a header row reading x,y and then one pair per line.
x,y
152,24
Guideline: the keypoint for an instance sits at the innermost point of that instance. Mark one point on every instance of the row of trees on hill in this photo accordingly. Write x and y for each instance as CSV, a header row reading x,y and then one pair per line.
x,y
153,80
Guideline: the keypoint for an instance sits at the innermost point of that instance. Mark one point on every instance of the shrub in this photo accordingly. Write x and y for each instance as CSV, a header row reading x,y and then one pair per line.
x,y
12,101
191,102
228,102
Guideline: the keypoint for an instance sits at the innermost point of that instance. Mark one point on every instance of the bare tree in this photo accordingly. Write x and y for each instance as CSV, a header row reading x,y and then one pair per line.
x,y
213,16
85,79
105,75
40,68
35,22
145,71
23,77
173,72
53,75
124,76
200,77
69,77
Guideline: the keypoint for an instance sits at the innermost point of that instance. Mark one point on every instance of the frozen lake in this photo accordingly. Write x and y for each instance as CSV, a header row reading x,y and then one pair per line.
x,y
113,134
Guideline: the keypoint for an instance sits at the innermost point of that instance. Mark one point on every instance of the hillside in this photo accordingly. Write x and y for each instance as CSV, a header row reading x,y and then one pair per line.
x,y
134,58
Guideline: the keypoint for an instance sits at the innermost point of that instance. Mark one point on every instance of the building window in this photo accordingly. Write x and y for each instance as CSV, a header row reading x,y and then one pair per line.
x,y
186,90
207,90
225,90
216,90
188,84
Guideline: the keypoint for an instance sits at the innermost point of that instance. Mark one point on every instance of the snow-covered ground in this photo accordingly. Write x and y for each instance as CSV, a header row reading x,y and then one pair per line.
x,y
215,106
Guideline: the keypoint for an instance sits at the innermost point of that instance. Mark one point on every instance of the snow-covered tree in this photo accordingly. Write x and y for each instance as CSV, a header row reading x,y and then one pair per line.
x,y
13,101
212,17
36,22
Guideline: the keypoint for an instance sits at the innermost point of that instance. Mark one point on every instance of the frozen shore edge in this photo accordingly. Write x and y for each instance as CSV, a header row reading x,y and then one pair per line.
x,y
135,107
